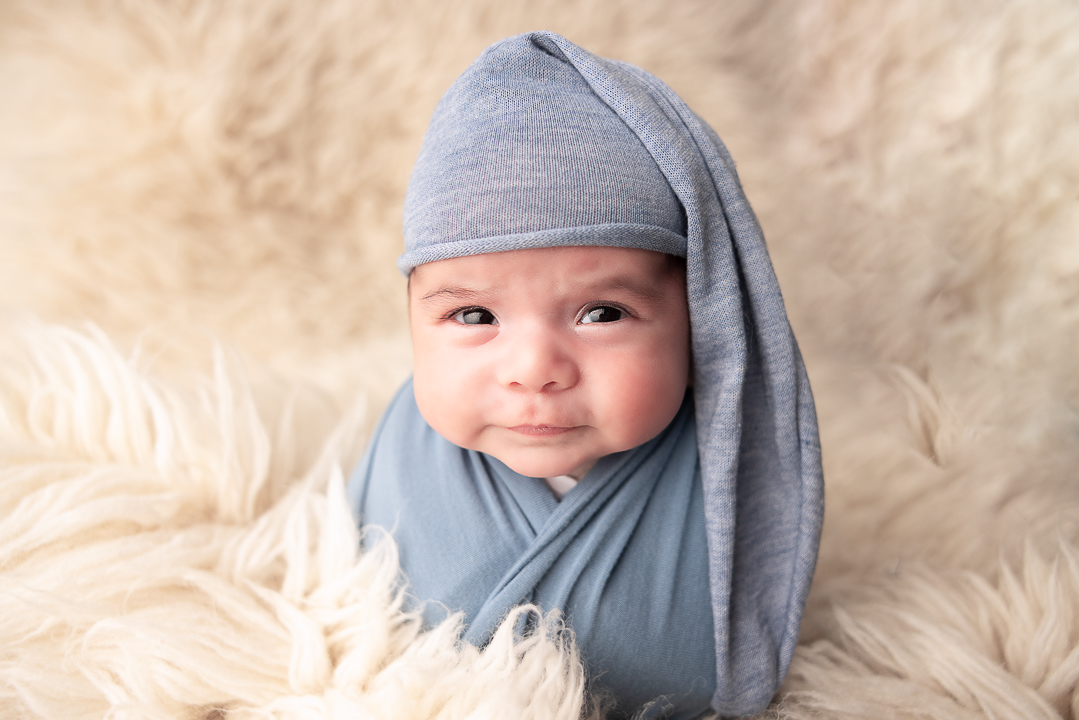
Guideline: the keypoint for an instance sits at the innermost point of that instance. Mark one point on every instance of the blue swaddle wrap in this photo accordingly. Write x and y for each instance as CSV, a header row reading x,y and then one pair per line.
x,y
540,144
623,554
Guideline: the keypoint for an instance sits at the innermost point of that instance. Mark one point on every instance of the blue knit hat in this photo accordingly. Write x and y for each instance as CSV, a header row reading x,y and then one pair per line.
x,y
541,144
521,153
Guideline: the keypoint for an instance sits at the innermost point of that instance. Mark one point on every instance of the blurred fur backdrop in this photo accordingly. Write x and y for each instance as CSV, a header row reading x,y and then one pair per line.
x,y
199,211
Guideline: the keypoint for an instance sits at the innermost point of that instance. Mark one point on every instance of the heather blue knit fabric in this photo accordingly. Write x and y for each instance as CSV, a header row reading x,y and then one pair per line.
x,y
538,144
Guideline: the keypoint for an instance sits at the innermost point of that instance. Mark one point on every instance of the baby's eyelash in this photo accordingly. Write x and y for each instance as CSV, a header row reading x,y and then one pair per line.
x,y
588,309
452,313
479,314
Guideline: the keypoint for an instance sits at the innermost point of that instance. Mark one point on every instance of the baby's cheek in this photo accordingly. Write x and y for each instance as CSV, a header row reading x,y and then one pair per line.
x,y
431,387
446,399
428,402
643,406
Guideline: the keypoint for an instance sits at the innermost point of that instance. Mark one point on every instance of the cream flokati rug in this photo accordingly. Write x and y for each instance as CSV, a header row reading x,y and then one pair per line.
x,y
199,211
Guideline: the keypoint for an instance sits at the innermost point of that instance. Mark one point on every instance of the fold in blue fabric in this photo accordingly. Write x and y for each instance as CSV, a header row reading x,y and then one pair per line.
x,y
542,144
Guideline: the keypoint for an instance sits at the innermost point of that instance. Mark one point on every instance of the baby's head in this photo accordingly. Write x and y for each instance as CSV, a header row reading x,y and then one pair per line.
x,y
545,225
550,358
547,287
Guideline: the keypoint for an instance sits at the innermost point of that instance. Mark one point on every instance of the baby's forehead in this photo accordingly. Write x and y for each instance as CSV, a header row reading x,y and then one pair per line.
x,y
578,260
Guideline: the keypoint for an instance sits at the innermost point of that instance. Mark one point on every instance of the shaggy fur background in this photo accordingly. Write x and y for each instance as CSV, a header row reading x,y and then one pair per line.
x,y
217,187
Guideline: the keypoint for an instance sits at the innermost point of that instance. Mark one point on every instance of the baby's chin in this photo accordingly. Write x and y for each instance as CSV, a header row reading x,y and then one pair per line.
x,y
538,466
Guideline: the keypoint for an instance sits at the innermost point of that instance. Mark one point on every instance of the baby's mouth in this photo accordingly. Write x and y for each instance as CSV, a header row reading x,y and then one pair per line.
x,y
540,430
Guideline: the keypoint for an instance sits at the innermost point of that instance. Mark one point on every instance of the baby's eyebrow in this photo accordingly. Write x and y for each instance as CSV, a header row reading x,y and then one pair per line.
x,y
645,291
454,292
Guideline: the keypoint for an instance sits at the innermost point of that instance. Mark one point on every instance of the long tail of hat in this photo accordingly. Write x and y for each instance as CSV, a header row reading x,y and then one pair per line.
x,y
757,430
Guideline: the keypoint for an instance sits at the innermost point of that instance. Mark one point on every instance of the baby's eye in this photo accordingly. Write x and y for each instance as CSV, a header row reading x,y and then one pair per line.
x,y
602,314
476,316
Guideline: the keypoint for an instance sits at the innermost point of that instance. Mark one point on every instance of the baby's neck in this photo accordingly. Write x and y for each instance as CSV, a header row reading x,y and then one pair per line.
x,y
580,471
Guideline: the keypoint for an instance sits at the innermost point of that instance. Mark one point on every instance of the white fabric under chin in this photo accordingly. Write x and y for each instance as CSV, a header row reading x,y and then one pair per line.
x,y
560,485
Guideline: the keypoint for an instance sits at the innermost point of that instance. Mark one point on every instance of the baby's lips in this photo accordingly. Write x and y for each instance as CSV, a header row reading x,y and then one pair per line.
x,y
541,430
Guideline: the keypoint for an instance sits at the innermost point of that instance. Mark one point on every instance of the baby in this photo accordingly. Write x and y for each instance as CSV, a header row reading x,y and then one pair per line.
x,y
608,415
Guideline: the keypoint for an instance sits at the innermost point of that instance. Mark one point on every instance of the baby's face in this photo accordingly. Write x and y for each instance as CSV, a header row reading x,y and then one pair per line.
x,y
551,358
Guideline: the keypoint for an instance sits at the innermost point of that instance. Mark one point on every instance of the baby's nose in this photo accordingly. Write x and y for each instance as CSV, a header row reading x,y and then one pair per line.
x,y
537,361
